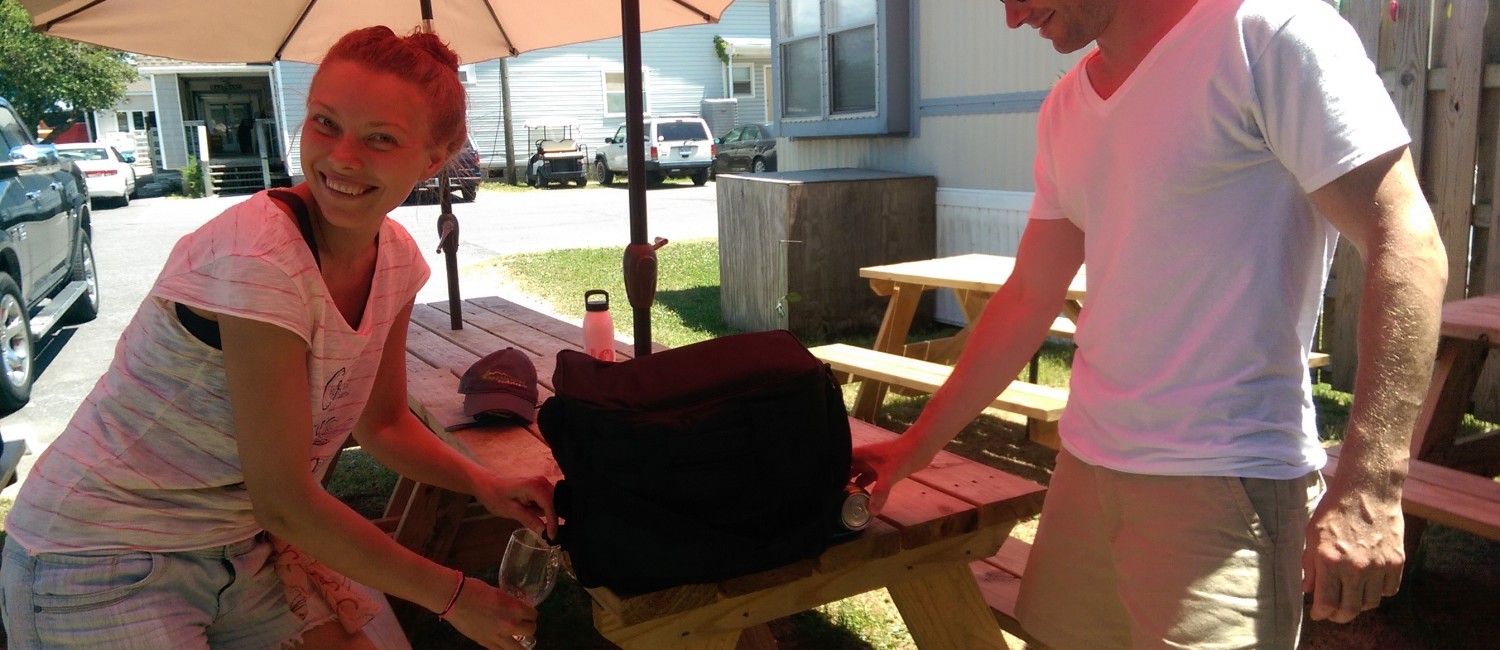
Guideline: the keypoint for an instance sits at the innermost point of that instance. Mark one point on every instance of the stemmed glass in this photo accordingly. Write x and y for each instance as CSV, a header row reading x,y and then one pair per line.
x,y
529,570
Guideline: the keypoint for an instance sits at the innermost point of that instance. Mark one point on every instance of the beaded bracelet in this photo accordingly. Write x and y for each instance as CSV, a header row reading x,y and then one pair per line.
x,y
452,600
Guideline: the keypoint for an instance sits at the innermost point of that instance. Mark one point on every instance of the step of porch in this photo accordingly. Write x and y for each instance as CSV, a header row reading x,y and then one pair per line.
x,y
244,179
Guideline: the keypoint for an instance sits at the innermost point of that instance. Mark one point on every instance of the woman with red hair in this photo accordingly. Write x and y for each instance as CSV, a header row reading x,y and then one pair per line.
x,y
182,507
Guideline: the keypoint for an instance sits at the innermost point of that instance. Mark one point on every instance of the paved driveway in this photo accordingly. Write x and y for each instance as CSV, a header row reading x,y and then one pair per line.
x,y
132,243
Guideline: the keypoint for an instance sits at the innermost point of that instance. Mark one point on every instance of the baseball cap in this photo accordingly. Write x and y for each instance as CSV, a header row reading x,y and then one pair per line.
x,y
502,384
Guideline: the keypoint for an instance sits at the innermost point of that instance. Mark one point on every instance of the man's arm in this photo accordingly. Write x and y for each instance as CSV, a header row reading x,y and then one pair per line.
x,y
1010,329
1354,554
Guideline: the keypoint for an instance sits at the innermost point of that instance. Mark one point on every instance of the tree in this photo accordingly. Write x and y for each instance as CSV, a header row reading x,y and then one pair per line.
x,y
54,79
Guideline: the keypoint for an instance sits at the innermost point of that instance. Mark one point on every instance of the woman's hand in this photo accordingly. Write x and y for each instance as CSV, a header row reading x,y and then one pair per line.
x,y
491,617
876,467
527,500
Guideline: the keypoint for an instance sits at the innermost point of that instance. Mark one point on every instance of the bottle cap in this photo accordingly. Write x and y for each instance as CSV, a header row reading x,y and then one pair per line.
x,y
596,300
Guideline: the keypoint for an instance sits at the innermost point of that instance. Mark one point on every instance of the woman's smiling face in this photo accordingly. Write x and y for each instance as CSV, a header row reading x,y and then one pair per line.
x,y
365,142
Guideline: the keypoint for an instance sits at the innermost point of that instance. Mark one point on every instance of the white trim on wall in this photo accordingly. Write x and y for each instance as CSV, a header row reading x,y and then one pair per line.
x,y
984,199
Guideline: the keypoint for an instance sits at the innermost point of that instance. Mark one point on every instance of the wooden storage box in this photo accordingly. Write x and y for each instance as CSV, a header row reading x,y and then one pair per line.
x,y
791,245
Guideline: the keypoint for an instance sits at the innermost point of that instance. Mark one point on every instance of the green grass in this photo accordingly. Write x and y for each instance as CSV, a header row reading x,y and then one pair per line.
x,y
503,186
362,483
687,293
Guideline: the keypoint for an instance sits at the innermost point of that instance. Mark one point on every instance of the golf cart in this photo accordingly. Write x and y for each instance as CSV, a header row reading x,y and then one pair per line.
x,y
556,156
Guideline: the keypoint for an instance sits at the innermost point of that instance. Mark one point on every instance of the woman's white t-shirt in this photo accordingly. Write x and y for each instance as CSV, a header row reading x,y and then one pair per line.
x,y
149,461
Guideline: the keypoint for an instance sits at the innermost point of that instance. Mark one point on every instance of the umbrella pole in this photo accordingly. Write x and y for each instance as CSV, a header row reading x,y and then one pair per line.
x,y
447,225
640,258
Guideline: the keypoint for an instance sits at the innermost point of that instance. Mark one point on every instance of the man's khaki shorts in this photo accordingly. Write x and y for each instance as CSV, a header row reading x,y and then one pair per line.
x,y
1137,561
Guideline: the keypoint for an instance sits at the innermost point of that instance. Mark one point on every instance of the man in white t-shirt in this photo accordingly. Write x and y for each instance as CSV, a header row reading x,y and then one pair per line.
x,y
1203,160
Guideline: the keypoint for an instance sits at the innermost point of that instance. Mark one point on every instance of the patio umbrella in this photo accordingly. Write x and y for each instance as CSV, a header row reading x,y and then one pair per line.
x,y
478,30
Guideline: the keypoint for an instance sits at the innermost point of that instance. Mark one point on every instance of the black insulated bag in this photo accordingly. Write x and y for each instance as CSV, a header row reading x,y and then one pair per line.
x,y
696,464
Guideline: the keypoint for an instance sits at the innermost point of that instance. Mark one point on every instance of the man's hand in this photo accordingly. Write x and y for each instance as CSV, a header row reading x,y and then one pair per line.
x,y
876,467
527,500
1354,554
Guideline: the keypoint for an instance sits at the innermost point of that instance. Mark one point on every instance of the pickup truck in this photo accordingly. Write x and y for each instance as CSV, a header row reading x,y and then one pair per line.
x,y
47,274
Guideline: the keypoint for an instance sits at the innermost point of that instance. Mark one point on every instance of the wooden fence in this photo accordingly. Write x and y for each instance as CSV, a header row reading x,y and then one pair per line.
x,y
1441,62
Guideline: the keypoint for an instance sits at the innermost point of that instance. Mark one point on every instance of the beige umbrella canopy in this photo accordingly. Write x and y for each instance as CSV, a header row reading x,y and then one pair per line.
x,y
221,31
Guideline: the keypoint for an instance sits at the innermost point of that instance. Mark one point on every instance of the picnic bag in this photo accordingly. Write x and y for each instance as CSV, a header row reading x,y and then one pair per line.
x,y
696,464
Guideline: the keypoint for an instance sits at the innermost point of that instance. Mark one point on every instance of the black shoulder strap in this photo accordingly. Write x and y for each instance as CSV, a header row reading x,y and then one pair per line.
x,y
201,328
206,330
304,220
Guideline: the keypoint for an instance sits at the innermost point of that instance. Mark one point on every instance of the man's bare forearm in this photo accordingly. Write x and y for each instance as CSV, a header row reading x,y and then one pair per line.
x,y
1399,318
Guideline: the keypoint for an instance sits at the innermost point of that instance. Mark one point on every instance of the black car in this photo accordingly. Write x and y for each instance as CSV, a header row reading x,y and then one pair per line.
x,y
47,275
463,177
750,148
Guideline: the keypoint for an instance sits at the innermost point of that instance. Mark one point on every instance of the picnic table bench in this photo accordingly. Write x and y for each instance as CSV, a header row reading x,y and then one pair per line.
x,y
1443,495
923,366
948,515
1434,490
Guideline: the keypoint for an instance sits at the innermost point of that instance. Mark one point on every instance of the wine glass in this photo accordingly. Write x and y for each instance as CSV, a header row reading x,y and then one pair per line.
x,y
529,570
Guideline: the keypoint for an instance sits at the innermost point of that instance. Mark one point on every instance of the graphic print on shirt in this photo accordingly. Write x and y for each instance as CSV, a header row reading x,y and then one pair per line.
x,y
334,389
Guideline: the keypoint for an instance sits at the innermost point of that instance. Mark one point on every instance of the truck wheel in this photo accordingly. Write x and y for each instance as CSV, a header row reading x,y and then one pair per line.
x,y
15,347
701,177
87,308
601,170
582,181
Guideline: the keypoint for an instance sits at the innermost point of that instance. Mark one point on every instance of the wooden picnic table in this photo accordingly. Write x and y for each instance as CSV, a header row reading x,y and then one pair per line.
x,y
1471,328
1434,490
973,278
948,515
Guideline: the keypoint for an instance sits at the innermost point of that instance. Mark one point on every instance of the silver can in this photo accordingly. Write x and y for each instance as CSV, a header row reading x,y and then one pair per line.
x,y
855,513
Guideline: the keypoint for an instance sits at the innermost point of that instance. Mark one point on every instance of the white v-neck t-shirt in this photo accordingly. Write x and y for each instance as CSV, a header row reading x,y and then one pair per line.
x,y
1206,259
149,461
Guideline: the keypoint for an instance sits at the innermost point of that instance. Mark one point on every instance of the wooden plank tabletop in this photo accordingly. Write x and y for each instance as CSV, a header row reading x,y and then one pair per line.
x,y
1472,318
954,510
972,272
951,498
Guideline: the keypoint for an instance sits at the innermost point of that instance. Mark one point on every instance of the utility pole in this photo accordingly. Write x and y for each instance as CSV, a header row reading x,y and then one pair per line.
x,y
510,140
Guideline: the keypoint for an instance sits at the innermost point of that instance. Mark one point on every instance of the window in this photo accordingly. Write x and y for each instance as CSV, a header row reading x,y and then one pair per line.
x,y
614,92
741,80
466,75
12,134
129,121
843,67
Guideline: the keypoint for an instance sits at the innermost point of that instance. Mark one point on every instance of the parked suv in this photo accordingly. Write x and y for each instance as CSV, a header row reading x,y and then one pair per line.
x,y
47,274
463,177
676,147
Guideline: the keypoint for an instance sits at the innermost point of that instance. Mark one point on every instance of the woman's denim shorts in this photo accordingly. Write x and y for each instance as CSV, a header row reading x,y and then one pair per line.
x,y
226,597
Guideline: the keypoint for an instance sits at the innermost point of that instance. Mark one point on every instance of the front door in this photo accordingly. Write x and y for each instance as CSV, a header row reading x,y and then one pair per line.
x,y
765,82
231,123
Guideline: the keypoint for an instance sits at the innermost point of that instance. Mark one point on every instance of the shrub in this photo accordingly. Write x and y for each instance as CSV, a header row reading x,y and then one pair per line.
x,y
192,179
